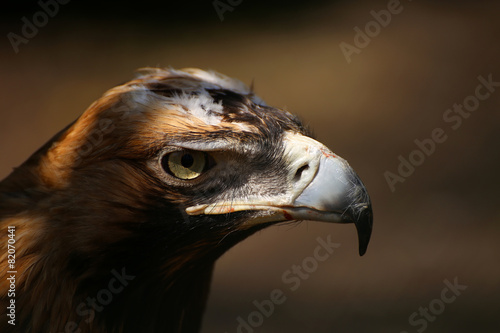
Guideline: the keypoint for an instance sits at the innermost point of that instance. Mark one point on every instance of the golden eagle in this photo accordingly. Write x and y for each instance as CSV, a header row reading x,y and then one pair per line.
x,y
115,224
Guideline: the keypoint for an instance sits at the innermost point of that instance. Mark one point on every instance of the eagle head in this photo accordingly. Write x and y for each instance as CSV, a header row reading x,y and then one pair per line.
x,y
154,181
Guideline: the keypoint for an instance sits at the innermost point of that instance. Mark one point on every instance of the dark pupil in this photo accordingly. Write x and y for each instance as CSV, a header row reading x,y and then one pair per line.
x,y
187,160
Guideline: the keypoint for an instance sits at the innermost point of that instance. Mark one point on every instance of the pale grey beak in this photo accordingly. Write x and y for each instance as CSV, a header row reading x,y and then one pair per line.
x,y
336,194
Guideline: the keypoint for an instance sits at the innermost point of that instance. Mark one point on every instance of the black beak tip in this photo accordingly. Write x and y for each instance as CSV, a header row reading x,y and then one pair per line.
x,y
364,224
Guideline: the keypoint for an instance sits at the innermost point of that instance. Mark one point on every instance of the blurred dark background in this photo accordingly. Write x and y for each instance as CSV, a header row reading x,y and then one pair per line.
x,y
441,223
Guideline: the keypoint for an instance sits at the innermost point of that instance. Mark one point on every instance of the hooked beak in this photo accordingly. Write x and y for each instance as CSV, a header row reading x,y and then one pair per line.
x,y
322,187
336,194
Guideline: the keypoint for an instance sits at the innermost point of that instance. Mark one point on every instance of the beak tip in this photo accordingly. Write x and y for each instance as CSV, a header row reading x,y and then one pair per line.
x,y
364,225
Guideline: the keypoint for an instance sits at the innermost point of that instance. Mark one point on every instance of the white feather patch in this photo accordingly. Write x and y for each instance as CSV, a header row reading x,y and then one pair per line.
x,y
195,100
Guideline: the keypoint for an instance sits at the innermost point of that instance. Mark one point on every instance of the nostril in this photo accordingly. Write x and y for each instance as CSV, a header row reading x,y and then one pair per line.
x,y
299,172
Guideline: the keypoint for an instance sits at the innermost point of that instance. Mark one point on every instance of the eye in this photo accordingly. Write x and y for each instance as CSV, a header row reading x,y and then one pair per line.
x,y
186,164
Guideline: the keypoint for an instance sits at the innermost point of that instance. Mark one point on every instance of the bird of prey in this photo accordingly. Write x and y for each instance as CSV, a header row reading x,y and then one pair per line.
x,y
117,221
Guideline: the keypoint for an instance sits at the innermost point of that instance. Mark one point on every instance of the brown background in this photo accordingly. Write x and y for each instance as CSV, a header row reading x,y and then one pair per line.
x,y
441,223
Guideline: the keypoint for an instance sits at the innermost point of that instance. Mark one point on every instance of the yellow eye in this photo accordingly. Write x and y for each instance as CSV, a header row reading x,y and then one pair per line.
x,y
185,164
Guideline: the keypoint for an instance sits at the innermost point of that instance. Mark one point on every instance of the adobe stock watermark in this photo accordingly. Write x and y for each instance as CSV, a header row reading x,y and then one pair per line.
x,y
454,118
87,310
30,28
363,38
420,319
222,6
293,279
